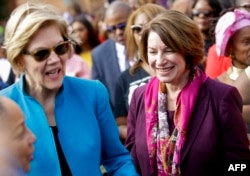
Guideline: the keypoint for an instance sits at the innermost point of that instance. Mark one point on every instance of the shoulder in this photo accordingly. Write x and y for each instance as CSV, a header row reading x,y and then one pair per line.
x,y
101,47
216,85
220,91
140,92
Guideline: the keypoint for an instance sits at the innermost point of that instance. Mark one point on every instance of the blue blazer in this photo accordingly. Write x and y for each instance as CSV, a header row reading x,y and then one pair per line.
x,y
86,129
105,66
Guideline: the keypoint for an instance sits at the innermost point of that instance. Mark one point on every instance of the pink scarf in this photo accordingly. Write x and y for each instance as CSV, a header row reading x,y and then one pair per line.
x,y
164,149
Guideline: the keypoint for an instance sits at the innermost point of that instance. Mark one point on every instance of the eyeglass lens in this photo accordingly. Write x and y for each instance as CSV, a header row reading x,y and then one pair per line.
x,y
120,26
43,54
206,13
136,29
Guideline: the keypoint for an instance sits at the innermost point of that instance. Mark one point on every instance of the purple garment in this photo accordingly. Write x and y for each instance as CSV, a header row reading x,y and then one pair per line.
x,y
216,133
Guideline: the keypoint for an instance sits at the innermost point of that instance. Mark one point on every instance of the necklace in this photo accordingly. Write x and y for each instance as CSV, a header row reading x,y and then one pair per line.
x,y
234,72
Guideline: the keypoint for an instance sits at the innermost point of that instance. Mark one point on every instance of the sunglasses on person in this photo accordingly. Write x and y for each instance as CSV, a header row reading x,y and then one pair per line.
x,y
136,28
42,54
206,13
120,26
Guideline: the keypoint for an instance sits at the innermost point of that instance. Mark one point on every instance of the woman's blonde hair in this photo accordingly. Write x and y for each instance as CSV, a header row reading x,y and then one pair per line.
x,y
150,11
178,32
24,22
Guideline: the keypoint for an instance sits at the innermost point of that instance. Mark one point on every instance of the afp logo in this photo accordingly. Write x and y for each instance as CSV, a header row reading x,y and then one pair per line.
x,y
237,169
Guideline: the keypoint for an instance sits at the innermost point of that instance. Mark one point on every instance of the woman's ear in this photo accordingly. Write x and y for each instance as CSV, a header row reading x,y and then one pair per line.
x,y
20,66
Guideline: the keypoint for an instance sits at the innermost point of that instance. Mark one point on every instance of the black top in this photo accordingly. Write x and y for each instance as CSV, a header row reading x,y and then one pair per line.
x,y
125,86
65,170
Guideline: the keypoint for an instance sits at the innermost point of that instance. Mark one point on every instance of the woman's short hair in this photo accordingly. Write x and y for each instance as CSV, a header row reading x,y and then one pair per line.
x,y
24,22
178,32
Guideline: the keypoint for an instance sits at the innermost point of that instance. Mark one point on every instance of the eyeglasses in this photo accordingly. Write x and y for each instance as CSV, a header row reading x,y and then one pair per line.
x,y
120,26
206,13
136,28
42,54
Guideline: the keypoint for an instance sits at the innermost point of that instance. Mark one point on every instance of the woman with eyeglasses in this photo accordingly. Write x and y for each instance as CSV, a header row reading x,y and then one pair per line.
x,y
203,12
71,117
182,123
140,73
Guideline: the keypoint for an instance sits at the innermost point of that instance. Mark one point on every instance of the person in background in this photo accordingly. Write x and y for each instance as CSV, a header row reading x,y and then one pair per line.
x,y
140,73
16,140
242,82
172,117
77,67
71,117
216,65
232,38
109,58
7,76
231,41
203,12
84,31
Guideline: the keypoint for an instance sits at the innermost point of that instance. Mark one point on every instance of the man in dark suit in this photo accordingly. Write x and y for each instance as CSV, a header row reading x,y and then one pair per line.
x,y
109,58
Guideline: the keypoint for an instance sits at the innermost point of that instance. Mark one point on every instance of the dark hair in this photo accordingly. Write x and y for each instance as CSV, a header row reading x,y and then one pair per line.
x,y
215,5
92,35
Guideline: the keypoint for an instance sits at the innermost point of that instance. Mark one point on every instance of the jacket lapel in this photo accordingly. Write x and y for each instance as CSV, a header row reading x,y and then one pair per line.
x,y
197,119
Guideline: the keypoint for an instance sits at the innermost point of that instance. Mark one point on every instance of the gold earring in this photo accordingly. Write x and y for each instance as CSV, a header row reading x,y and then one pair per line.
x,y
231,56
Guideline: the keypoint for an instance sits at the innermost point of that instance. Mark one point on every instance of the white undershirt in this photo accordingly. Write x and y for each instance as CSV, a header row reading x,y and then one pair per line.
x,y
120,50
5,68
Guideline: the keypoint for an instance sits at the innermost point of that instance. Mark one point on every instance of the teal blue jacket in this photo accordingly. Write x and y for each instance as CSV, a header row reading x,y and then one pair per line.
x,y
86,128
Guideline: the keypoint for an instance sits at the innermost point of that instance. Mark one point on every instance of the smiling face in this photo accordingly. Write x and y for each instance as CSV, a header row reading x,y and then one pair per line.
x,y
239,46
169,66
49,73
15,136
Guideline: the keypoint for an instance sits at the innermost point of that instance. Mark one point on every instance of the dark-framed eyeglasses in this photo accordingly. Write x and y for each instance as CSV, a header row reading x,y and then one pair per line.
x,y
206,13
120,26
136,28
42,54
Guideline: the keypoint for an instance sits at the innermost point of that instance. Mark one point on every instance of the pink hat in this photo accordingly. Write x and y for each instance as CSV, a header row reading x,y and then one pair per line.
x,y
227,25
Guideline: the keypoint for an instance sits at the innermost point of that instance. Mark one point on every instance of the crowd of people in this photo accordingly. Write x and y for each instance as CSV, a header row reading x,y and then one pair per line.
x,y
156,88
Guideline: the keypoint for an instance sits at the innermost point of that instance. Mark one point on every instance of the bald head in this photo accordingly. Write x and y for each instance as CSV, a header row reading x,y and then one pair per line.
x,y
116,17
118,7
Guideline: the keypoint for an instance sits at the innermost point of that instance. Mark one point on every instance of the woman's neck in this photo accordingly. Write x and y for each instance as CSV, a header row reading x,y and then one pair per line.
x,y
178,84
39,93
